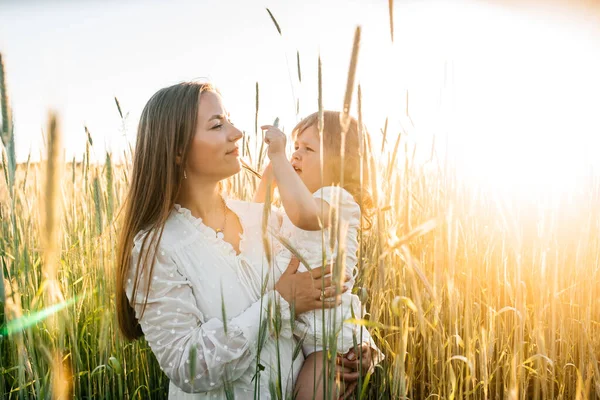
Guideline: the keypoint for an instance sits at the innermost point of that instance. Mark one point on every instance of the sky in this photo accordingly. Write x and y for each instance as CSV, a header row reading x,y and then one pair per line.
x,y
511,87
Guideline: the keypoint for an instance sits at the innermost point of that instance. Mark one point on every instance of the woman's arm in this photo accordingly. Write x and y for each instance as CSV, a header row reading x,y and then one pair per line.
x,y
199,354
301,208
263,186
195,353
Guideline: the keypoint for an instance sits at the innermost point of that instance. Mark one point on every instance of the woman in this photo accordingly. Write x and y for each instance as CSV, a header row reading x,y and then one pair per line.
x,y
214,310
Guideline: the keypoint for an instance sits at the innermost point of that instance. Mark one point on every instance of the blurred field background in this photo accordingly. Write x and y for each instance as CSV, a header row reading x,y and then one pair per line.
x,y
472,292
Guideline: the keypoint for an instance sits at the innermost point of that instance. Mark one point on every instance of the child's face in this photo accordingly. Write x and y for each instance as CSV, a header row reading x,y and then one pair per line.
x,y
306,159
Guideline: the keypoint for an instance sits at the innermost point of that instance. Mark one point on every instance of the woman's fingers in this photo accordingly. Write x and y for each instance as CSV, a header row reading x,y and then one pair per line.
x,y
308,294
328,280
292,266
349,390
330,302
322,272
340,370
350,360
345,371
350,376
317,273
331,292
355,364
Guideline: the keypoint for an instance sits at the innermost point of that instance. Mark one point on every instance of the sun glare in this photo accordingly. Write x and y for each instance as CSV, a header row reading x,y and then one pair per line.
x,y
515,94
525,117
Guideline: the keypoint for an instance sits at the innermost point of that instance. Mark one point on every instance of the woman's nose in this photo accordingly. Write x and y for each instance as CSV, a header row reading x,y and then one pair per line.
x,y
236,135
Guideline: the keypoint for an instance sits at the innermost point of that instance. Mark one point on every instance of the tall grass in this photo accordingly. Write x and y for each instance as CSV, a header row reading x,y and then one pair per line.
x,y
470,295
484,298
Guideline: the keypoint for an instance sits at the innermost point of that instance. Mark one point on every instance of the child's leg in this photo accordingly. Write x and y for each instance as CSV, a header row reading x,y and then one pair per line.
x,y
311,379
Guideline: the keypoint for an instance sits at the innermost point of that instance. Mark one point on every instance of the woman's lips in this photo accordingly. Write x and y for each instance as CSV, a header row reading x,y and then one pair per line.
x,y
235,152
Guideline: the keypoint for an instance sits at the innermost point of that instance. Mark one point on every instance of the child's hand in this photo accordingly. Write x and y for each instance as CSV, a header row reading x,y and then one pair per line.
x,y
275,139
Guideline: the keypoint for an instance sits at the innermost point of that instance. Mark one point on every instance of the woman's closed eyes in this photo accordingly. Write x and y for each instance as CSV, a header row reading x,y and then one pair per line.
x,y
220,125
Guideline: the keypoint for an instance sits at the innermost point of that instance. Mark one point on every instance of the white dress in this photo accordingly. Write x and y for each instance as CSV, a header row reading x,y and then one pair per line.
x,y
197,283
318,325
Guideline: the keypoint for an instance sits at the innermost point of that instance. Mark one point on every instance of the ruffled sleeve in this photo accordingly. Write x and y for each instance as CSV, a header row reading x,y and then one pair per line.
x,y
197,354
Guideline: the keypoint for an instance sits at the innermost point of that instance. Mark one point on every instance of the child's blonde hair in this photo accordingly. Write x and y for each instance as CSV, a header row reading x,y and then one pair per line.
x,y
332,143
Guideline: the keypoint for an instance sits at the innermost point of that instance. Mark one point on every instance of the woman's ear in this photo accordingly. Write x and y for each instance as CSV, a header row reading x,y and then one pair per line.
x,y
178,160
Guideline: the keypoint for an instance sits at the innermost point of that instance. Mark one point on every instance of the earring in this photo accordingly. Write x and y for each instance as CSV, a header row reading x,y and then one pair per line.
x,y
184,174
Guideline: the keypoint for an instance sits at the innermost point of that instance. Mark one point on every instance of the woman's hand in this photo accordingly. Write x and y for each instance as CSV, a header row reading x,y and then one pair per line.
x,y
349,366
308,290
276,141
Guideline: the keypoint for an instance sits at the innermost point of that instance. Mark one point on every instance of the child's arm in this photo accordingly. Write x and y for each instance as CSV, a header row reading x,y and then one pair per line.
x,y
301,208
267,177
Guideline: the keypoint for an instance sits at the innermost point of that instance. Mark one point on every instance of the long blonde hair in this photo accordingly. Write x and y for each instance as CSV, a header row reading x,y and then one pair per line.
x,y
166,129
355,161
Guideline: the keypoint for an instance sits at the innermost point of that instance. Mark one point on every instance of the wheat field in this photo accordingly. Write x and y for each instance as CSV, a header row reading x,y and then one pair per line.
x,y
470,295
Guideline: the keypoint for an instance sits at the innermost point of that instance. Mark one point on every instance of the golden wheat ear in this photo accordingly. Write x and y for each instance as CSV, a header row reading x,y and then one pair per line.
x,y
248,168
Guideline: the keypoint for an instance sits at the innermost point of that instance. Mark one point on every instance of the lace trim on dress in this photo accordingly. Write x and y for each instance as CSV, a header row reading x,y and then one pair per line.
x,y
248,276
210,233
